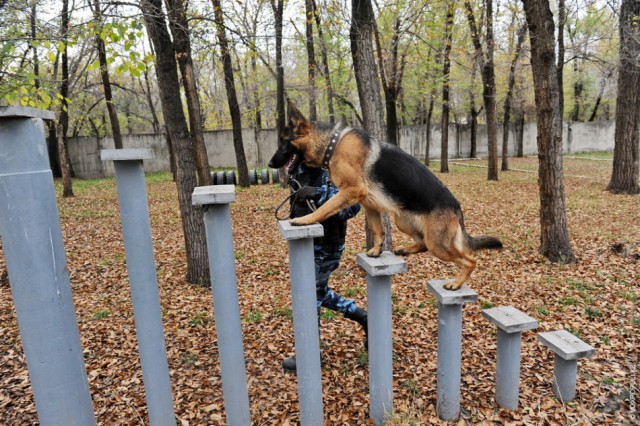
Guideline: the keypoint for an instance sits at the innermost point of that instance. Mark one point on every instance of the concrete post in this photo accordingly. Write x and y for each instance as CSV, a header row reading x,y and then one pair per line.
x,y
305,319
510,323
449,345
379,271
136,232
217,222
568,349
37,266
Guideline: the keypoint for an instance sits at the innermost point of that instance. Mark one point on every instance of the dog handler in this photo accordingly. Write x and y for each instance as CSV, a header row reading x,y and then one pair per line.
x,y
316,189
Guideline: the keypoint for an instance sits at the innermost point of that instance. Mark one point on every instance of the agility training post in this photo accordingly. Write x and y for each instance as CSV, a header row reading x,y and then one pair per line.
x,y
568,349
217,221
379,272
305,319
37,266
510,323
449,345
143,281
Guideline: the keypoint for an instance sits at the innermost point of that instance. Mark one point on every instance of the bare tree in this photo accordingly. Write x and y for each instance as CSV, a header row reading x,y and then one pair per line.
x,y
182,44
446,77
366,71
63,116
104,74
555,244
624,176
311,55
488,82
181,143
522,32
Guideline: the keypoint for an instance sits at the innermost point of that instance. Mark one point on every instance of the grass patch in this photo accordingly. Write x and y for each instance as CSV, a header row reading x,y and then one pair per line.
x,y
201,318
102,314
254,317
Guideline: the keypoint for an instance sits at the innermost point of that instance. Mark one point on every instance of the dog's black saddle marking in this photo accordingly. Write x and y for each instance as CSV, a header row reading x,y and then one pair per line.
x,y
409,183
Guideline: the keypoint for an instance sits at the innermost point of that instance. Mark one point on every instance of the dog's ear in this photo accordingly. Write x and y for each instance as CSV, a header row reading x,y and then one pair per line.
x,y
297,121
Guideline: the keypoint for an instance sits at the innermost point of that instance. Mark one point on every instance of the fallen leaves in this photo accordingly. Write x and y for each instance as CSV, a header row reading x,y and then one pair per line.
x,y
596,298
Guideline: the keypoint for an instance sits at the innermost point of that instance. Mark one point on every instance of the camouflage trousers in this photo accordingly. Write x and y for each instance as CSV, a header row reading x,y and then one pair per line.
x,y
326,262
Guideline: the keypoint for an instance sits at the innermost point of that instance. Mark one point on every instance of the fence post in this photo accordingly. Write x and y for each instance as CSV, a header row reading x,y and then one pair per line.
x,y
217,222
449,345
305,319
143,281
379,271
36,262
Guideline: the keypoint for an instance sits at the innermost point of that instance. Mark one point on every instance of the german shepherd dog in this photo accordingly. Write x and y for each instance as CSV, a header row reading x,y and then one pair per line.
x,y
382,178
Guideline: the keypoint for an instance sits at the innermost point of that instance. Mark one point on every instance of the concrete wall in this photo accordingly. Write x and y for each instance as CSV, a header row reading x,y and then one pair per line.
x,y
259,146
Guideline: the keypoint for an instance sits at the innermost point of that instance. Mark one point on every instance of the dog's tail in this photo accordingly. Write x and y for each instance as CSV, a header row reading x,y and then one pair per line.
x,y
483,242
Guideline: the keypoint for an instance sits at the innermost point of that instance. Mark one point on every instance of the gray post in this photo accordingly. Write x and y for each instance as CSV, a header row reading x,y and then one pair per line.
x,y
305,319
568,349
379,271
510,323
136,232
217,222
37,266
449,345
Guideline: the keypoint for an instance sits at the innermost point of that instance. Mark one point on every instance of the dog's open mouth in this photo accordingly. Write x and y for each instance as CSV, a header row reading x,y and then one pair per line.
x,y
290,164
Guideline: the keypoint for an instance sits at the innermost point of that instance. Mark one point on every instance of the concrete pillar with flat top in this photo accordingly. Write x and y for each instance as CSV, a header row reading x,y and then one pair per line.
x,y
224,288
305,319
143,281
37,265
449,345
379,272
510,323
568,350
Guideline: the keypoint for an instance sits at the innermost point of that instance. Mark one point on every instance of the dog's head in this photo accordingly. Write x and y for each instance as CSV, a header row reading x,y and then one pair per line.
x,y
292,139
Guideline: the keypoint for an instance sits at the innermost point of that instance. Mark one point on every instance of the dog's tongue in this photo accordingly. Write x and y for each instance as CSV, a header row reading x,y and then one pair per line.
x,y
291,162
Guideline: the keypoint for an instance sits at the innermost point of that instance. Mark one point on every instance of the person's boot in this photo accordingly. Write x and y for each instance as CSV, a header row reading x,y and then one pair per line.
x,y
360,316
289,364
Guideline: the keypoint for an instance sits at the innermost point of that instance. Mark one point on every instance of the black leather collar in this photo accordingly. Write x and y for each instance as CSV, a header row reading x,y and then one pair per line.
x,y
333,143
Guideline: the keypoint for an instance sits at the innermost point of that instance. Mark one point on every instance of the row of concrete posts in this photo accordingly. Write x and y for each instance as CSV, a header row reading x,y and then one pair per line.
x,y
40,285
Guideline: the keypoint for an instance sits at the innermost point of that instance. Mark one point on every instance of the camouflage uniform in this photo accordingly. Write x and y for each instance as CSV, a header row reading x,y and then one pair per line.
x,y
327,250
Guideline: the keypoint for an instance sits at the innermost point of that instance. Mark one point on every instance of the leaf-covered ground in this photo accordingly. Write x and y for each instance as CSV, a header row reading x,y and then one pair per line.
x,y
595,298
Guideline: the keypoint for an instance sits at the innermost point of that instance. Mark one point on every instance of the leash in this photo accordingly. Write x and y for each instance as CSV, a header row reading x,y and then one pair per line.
x,y
292,184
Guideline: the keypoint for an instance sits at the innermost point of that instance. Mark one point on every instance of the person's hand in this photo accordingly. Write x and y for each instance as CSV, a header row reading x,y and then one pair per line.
x,y
306,193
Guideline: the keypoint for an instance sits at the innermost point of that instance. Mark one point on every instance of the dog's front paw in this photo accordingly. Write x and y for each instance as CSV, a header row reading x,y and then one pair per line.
x,y
452,285
374,252
300,221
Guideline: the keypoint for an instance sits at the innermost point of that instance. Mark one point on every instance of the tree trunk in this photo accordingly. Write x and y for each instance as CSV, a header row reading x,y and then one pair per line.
x,y
624,176
178,133
509,98
180,31
232,99
367,81
427,150
325,63
488,83
311,56
104,74
474,113
278,12
562,20
446,71
554,233
365,67
63,120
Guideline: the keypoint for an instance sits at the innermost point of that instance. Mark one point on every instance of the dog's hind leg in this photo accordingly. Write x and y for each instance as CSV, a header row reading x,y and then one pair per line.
x,y
406,225
374,220
467,264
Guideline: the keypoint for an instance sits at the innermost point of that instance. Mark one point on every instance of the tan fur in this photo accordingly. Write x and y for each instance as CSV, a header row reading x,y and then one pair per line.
x,y
438,232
